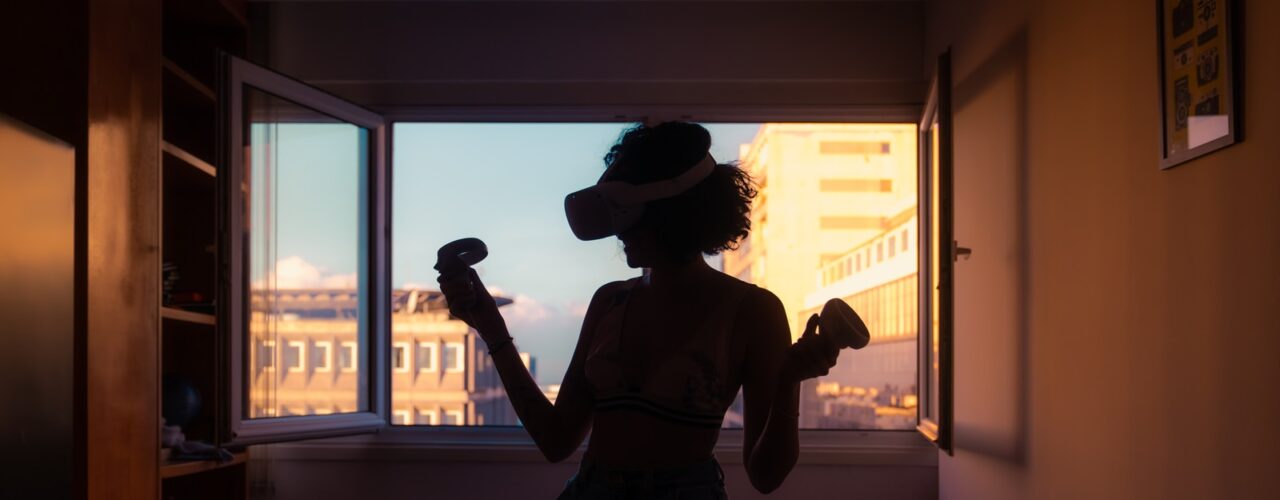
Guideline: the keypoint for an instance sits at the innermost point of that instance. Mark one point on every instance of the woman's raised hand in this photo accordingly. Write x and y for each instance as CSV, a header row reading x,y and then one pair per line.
x,y
811,356
471,302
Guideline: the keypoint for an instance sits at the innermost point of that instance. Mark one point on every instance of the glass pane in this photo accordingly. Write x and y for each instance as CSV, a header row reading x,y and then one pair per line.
x,y
857,189
849,192
937,251
304,181
512,179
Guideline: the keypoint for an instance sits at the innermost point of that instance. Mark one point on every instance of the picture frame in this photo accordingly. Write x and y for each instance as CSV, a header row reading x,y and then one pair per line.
x,y
1199,98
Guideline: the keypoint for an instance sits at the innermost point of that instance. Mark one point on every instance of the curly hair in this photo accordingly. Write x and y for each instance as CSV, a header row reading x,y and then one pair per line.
x,y
710,217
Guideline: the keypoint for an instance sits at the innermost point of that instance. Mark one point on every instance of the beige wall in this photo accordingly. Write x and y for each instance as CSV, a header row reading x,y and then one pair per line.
x,y
1116,327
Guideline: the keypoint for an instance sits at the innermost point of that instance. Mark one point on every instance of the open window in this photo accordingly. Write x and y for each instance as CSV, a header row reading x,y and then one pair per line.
x,y
303,217
937,257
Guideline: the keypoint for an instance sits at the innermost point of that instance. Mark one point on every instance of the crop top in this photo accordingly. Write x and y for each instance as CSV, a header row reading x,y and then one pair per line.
x,y
693,386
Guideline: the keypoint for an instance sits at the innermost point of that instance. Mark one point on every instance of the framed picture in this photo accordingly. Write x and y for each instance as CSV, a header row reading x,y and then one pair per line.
x,y
1197,79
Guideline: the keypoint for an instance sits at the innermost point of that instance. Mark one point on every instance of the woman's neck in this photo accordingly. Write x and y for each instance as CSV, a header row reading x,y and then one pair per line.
x,y
676,275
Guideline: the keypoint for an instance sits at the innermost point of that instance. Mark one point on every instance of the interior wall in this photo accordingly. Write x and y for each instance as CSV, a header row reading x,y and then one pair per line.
x,y
1115,326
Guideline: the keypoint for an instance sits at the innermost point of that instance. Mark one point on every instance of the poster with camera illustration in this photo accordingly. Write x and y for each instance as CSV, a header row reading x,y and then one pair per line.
x,y
1195,78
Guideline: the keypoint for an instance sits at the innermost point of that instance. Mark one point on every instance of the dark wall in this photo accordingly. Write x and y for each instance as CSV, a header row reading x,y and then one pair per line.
x,y
391,55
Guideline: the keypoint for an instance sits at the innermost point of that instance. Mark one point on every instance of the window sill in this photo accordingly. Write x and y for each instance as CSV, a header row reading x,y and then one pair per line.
x,y
511,444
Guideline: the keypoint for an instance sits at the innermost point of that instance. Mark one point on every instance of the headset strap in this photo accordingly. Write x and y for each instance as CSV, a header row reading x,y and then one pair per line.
x,y
666,188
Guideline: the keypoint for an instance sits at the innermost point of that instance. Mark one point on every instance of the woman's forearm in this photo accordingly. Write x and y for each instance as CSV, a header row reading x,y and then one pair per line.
x,y
776,451
536,412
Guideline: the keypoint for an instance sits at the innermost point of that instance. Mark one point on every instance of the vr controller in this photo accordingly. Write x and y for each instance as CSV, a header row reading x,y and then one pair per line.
x,y
839,324
459,255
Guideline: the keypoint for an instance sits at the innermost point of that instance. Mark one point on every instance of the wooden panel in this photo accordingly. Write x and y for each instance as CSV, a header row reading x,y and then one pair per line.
x,y
123,259
37,267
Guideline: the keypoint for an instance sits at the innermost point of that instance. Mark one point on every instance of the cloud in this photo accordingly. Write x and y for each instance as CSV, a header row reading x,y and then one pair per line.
x,y
294,272
525,311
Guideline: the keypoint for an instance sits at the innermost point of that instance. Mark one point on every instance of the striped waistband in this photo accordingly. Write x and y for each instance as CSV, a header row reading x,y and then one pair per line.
x,y
665,412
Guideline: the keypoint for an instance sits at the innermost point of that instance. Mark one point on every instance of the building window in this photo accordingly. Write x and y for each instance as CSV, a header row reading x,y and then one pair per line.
x,y
267,355
400,357
879,251
452,417
426,357
893,247
454,357
347,357
904,240
322,355
295,360
428,417
400,417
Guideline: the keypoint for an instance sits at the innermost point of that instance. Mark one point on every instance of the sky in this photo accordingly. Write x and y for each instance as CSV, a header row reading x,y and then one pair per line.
x,y
501,182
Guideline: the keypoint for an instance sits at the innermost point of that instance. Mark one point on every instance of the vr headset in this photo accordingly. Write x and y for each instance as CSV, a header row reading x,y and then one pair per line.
x,y
609,208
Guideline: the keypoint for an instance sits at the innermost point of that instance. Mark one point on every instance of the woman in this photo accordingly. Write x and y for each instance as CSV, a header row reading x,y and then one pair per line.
x,y
661,357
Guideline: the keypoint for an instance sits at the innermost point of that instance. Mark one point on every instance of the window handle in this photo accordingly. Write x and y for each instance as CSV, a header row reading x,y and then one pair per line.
x,y
959,251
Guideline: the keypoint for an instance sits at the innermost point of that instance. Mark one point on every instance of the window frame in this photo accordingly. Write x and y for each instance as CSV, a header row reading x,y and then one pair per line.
x,y
235,427
512,443
937,110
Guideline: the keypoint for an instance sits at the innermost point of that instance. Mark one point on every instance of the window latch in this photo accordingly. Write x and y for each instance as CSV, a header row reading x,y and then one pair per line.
x,y
958,251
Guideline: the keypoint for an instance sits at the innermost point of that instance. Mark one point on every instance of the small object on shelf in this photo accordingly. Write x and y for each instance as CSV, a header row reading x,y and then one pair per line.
x,y
180,401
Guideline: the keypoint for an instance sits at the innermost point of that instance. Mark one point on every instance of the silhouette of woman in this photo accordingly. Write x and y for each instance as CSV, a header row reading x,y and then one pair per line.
x,y
661,357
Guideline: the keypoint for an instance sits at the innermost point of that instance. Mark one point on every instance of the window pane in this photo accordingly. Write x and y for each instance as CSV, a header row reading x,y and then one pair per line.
x,y
304,183
512,179
875,387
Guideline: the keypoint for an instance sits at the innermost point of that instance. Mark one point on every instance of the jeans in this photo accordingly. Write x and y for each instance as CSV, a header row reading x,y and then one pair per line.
x,y
701,481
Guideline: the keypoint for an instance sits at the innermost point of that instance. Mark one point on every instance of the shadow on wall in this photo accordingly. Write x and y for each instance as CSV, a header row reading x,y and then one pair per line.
x,y
991,414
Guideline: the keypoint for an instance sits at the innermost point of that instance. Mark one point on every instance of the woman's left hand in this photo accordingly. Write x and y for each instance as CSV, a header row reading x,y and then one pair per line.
x,y
811,356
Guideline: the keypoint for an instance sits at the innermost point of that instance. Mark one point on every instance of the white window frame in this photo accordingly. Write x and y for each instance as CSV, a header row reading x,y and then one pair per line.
x,y
354,357
327,357
407,363
458,415
461,360
512,443
433,416
401,417
302,355
433,360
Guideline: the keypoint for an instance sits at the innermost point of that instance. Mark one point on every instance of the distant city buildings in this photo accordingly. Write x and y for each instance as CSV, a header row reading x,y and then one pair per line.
x,y
836,217
305,360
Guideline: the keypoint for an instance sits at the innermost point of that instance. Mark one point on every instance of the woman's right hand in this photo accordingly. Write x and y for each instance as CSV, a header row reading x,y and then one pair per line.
x,y
811,356
471,302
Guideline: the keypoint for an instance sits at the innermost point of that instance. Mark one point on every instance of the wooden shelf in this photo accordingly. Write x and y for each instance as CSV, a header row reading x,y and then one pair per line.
x,y
190,80
170,469
176,314
189,159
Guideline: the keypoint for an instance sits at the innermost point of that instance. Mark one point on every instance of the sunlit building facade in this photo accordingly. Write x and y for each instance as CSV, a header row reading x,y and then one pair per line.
x,y
836,218
824,189
308,365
